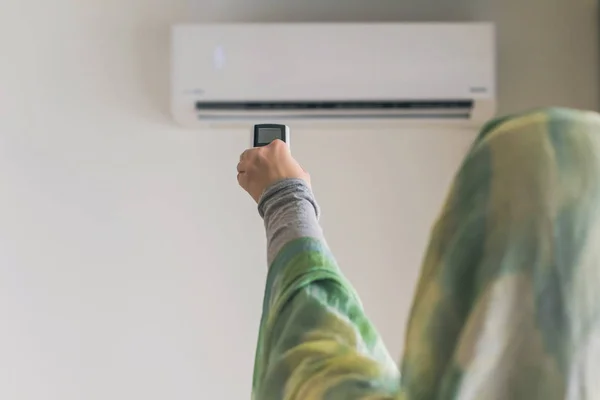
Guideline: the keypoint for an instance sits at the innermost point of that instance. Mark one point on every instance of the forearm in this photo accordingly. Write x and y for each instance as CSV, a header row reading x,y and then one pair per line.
x,y
313,327
290,212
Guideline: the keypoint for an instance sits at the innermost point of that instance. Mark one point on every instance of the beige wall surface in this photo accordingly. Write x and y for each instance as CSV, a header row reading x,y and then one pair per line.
x,y
131,264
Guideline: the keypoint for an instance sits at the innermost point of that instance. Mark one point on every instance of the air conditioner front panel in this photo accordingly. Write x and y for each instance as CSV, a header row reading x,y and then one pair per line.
x,y
237,63
324,61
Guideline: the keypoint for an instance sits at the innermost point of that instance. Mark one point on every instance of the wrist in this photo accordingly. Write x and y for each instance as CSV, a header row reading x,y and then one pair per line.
x,y
290,212
286,191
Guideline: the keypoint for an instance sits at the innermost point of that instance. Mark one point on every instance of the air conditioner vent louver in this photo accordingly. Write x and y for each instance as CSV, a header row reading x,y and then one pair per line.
x,y
335,105
297,110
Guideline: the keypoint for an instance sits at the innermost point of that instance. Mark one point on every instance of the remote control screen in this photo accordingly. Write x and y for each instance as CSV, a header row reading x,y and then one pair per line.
x,y
267,135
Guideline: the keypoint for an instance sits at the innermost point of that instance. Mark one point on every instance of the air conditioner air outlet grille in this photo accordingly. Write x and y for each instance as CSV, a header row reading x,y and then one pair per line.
x,y
249,106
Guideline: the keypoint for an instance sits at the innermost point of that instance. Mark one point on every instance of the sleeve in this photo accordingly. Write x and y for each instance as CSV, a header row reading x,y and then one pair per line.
x,y
315,341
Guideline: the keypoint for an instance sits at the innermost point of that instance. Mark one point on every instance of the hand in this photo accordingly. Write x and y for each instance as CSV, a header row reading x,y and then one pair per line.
x,y
261,167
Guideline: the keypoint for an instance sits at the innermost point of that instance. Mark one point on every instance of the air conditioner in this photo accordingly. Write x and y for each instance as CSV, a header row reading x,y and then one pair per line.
x,y
333,73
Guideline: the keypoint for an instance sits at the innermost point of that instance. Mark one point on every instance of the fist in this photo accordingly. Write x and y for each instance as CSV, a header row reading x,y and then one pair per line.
x,y
261,167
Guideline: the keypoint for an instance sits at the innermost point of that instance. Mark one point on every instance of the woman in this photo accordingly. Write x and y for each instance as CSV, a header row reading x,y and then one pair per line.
x,y
508,302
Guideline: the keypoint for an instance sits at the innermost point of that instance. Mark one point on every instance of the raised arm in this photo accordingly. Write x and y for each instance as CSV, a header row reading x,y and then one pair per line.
x,y
315,341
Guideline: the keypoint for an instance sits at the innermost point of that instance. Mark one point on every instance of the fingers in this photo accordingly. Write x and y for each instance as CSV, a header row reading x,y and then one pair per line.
x,y
244,154
241,167
241,178
248,154
246,158
278,144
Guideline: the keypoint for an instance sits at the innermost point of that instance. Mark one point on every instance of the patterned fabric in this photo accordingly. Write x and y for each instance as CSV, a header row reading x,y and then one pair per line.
x,y
508,301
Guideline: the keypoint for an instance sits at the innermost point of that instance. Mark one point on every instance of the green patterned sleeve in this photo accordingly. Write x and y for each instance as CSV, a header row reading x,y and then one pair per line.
x,y
315,341
508,305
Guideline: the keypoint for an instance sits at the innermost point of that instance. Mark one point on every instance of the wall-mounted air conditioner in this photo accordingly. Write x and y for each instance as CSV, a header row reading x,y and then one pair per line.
x,y
333,73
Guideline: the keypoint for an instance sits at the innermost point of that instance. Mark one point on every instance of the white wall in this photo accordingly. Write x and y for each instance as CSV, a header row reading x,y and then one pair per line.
x,y
131,266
